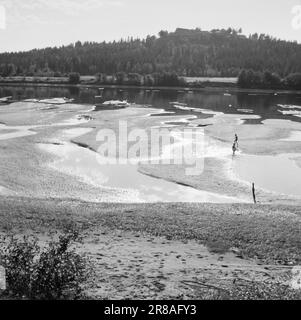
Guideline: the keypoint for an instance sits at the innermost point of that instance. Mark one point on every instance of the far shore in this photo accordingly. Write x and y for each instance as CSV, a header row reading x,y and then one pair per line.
x,y
208,86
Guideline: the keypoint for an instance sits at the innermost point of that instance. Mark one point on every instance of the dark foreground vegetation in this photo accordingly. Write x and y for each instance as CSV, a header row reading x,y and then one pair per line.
x,y
164,60
51,273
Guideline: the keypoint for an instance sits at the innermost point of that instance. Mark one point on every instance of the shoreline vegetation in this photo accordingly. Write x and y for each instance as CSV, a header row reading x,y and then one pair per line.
x,y
166,80
216,84
183,58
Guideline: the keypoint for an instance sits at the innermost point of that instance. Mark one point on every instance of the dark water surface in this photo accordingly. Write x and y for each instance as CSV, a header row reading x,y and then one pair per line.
x,y
265,105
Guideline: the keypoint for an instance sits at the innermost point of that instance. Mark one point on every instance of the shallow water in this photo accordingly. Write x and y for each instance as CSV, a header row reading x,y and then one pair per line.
x,y
278,174
89,167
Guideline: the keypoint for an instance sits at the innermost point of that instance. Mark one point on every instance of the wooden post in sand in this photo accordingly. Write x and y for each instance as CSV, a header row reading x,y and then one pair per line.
x,y
253,192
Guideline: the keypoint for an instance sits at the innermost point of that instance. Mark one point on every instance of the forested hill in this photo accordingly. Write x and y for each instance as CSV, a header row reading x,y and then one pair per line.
x,y
186,52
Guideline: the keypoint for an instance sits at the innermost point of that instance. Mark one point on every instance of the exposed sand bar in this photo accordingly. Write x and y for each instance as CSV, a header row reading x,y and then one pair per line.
x,y
12,132
89,167
48,173
295,136
15,132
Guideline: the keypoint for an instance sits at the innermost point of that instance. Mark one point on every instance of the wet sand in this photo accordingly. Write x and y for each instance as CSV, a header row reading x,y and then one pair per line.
x,y
174,250
221,178
91,168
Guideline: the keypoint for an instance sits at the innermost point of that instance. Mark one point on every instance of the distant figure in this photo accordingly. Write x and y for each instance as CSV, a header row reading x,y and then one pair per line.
x,y
236,140
253,192
234,149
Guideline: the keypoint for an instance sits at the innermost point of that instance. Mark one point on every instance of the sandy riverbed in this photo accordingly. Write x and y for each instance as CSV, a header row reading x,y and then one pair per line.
x,y
39,124
161,250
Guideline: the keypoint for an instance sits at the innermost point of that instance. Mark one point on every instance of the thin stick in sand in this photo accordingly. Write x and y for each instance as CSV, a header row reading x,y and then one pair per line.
x,y
254,193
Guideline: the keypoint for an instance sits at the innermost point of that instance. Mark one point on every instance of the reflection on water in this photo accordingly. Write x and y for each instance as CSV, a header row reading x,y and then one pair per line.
x,y
262,104
279,173
88,166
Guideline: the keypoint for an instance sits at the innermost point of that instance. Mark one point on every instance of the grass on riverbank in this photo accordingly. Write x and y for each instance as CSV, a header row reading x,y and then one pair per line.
x,y
269,233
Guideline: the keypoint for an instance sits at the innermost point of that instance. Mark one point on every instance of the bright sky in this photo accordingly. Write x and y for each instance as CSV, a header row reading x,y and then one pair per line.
x,y
27,24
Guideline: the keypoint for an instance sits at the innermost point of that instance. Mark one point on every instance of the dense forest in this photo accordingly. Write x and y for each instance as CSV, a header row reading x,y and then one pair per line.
x,y
218,53
268,80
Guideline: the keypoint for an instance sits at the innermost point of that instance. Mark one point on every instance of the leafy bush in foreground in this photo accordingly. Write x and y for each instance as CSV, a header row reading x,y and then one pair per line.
x,y
55,272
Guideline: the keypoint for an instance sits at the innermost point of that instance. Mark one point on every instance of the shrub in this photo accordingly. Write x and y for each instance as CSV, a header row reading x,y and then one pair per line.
x,y
293,81
57,74
74,78
18,260
55,272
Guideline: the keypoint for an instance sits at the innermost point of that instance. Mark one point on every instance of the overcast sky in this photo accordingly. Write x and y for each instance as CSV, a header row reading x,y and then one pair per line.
x,y
40,23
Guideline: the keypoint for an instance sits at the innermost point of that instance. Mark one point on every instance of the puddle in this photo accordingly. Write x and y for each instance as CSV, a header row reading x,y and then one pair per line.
x,y
87,165
279,174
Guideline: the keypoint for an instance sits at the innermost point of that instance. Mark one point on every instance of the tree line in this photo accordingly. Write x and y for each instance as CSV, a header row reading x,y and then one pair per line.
x,y
268,80
216,53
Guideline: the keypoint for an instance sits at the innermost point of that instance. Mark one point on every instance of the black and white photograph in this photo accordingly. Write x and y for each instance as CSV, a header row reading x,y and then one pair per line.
x,y
150,151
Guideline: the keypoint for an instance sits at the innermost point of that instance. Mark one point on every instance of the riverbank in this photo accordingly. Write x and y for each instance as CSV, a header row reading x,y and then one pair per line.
x,y
170,250
178,251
